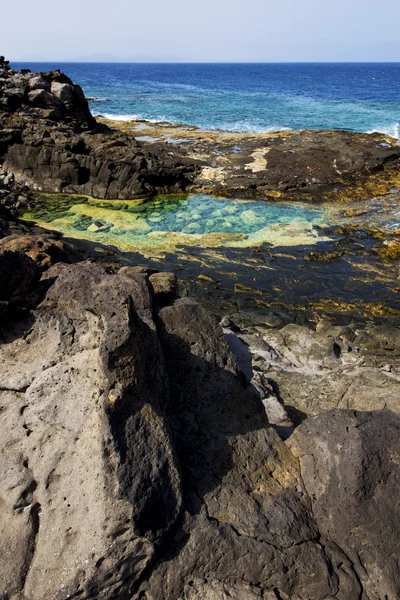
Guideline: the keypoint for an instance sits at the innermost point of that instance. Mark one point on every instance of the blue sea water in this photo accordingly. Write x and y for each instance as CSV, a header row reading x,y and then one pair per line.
x,y
244,97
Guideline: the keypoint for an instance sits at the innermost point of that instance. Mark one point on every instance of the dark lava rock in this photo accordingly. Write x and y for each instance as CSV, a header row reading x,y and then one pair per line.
x,y
49,139
350,469
18,273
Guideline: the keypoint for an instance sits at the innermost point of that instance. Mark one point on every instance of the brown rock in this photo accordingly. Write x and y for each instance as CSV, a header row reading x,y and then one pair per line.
x,y
45,251
165,287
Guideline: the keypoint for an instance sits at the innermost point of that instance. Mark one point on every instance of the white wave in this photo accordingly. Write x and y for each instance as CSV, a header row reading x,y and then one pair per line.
x,y
245,127
391,130
239,127
113,117
132,117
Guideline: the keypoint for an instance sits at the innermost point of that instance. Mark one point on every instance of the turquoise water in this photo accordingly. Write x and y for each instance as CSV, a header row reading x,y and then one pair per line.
x,y
244,97
194,219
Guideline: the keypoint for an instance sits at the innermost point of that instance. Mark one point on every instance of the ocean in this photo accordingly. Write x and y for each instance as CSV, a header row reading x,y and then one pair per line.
x,y
243,97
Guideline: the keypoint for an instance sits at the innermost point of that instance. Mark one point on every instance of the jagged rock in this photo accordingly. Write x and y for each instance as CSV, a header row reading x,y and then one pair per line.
x,y
43,99
38,83
165,287
134,463
64,92
44,126
18,273
331,367
95,394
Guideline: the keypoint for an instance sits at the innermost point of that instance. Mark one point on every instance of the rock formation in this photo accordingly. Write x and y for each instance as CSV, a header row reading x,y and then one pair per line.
x,y
136,464
332,366
49,140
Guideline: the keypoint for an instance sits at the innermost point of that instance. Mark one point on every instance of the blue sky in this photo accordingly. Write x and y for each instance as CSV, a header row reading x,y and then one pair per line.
x,y
206,30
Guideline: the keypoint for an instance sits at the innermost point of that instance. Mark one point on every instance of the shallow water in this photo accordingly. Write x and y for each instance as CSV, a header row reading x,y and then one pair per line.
x,y
165,222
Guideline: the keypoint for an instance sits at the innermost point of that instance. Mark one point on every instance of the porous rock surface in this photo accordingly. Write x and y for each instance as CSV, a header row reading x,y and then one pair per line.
x,y
135,464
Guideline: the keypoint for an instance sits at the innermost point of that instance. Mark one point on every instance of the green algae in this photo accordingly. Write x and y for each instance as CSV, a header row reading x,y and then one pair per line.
x,y
165,222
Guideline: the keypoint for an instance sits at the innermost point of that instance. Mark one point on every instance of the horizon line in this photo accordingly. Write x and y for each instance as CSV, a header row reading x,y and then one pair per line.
x,y
194,62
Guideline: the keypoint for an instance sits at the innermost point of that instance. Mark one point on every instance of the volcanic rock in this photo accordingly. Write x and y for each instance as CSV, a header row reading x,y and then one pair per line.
x,y
135,464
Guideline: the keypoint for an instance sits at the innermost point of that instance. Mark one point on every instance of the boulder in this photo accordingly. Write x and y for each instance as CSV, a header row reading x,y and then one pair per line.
x,y
135,464
42,98
64,92
18,273
37,82
44,250
350,469
89,477
165,287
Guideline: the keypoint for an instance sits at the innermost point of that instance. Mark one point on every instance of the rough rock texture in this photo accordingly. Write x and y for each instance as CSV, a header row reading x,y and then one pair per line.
x,y
83,393
350,470
18,274
49,140
45,250
332,366
135,464
23,92
307,165
165,287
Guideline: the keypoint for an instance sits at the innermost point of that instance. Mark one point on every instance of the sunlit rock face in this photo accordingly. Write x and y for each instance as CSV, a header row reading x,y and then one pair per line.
x,y
137,464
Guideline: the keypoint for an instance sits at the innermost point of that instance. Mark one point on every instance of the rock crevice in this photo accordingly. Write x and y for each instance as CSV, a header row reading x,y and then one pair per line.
x,y
156,473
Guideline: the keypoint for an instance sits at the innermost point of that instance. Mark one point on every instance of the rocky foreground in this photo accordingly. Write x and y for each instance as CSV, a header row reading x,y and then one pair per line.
x,y
136,462
148,452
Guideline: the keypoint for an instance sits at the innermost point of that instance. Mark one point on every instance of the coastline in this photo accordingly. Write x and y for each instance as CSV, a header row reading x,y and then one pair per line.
x,y
199,420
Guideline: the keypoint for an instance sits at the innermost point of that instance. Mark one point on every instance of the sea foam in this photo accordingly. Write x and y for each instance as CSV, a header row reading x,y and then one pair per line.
x,y
391,130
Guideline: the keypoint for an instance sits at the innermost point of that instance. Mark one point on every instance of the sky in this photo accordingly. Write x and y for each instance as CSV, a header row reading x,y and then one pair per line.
x,y
202,31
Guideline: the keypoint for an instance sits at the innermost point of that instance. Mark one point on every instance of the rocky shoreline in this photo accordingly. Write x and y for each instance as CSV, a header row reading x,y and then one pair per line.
x,y
153,450
50,140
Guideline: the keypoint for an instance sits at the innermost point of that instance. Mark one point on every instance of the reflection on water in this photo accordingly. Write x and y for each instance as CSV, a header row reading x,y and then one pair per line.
x,y
165,222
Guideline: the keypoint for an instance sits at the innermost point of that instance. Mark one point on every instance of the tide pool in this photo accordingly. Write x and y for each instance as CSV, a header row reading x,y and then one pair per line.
x,y
163,223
